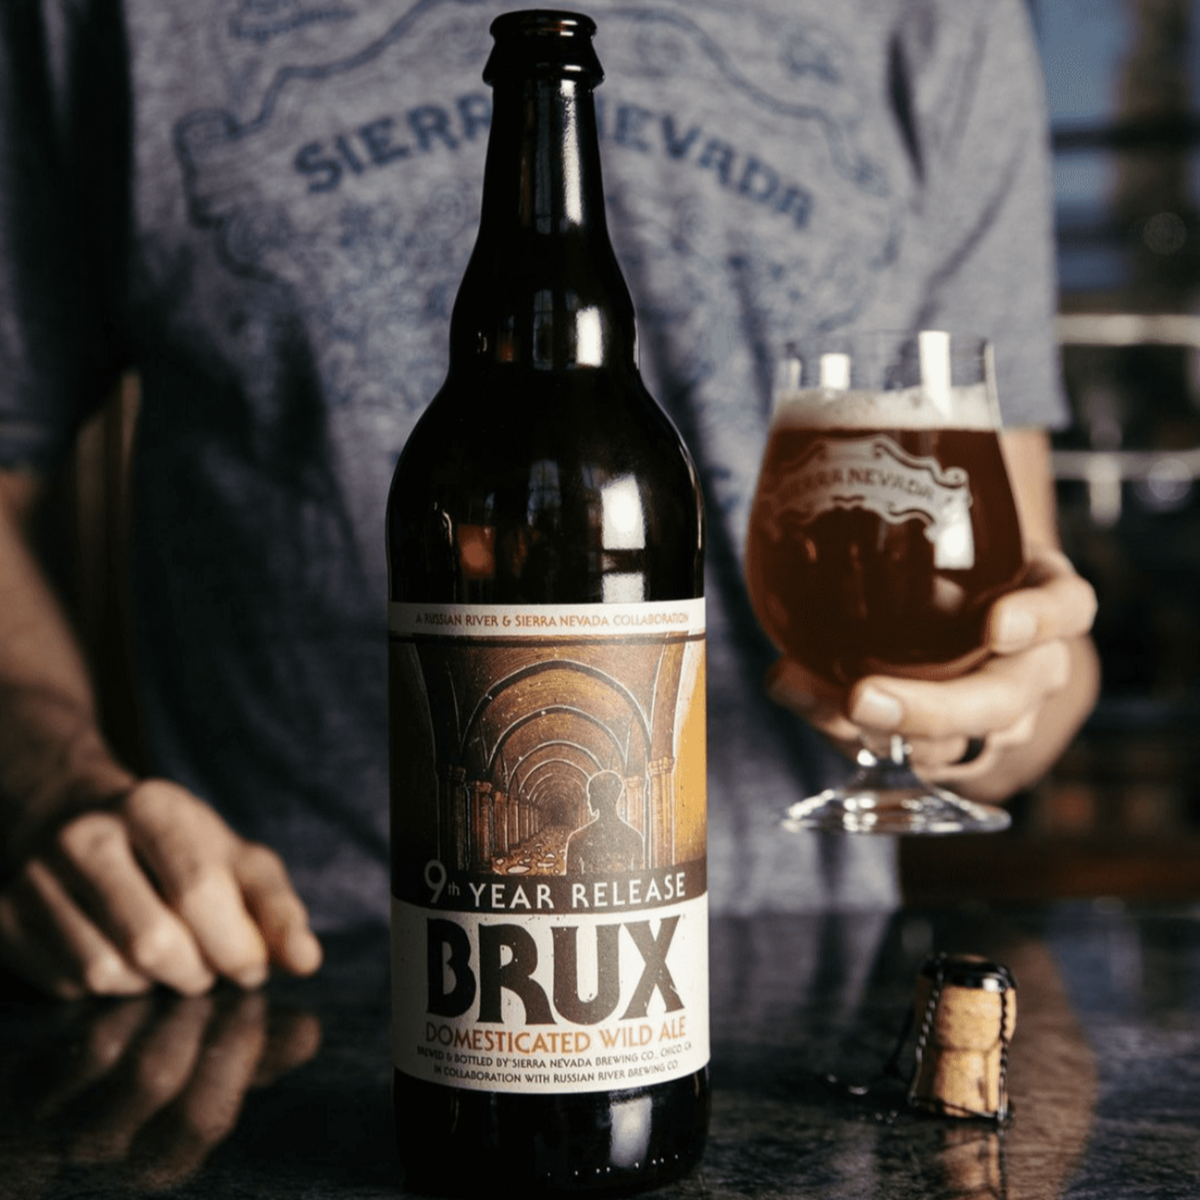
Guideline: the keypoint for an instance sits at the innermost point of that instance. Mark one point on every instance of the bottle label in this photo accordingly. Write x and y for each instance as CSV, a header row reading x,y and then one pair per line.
x,y
550,906
875,474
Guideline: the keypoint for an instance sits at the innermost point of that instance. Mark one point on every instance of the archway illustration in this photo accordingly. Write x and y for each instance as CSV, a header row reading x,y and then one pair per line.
x,y
519,729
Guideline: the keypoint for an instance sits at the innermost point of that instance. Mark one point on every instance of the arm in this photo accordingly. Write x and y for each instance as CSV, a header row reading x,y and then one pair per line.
x,y
107,883
985,197
1025,702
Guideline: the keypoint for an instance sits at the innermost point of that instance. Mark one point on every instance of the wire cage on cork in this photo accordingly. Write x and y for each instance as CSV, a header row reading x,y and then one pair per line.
x,y
964,1014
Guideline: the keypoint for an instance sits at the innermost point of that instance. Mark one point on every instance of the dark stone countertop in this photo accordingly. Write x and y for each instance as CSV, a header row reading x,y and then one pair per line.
x,y
285,1092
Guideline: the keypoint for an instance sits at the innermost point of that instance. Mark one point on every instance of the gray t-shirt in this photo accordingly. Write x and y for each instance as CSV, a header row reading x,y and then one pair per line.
x,y
267,207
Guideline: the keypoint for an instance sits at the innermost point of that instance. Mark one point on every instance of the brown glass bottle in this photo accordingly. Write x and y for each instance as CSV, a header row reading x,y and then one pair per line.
x,y
498,499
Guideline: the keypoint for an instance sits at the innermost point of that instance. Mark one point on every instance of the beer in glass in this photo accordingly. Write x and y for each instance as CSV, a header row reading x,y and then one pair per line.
x,y
882,530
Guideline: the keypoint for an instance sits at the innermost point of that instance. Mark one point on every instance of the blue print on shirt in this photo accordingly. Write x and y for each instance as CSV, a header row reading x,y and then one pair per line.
x,y
264,19
745,200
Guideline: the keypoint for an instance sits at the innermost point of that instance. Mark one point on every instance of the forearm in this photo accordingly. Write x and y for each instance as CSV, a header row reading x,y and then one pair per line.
x,y
146,883
54,759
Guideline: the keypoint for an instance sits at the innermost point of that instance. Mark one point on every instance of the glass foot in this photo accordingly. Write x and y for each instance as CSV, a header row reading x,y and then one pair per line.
x,y
869,803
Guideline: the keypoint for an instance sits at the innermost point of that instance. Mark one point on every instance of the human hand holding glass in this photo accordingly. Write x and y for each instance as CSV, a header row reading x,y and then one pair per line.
x,y
883,529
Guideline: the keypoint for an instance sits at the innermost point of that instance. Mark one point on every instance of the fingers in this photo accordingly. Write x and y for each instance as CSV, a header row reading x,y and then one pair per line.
x,y
102,870
158,891
187,849
47,939
999,702
1053,602
235,896
1023,701
995,698
950,770
1030,626
279,912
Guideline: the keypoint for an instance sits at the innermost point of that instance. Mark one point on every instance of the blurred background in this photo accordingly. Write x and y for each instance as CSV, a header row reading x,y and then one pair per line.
x,y
1121,814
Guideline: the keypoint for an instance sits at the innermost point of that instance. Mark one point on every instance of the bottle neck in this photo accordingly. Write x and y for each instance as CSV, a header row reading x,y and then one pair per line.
x,y
543,290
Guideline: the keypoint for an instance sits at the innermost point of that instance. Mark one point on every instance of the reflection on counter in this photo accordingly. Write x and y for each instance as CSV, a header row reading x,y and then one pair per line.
x,y
859,980
286,1093
140,1090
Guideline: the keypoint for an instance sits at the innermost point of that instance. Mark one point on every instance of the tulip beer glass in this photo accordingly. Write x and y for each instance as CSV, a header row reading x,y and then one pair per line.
x,y
883,528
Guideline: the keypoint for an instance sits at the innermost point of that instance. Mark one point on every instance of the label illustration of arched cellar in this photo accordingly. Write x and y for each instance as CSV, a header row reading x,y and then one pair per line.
x,y
519,730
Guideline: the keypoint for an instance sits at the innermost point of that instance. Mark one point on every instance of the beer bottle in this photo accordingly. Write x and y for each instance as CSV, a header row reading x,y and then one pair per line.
x,y
546,634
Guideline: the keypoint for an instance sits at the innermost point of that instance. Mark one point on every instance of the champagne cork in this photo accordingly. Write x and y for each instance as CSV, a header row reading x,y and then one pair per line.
x,y
965,1014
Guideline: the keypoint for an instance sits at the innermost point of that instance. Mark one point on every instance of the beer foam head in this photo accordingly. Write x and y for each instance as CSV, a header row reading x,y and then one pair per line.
x,y
962,407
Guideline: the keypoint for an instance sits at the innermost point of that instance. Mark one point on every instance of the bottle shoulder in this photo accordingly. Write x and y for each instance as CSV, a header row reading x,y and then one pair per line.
x,y
553,487
489,423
